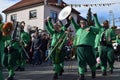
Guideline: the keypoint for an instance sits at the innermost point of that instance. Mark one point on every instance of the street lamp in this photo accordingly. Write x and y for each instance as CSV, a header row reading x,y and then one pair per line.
x,y
112,14
45,2
119,19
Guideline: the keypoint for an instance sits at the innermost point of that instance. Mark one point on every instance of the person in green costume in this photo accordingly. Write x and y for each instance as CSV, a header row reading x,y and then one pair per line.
x,y
96,50
105,49
12,54
1,23
59,36
24,40
117,39
84,43
8,56
1,46
116,46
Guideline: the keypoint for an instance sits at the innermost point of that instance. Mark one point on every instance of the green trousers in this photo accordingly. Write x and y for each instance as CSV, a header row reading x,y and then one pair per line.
x,y
96,56
58,60
21,63
85,55
11,71
1,75
22,60
106,55
10,62
58,67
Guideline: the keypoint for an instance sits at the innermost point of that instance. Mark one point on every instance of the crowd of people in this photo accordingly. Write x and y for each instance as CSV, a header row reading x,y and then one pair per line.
x,y
91,45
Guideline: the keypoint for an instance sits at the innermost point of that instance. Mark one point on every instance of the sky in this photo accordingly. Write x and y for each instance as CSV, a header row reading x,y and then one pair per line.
x,y
102,12
4,4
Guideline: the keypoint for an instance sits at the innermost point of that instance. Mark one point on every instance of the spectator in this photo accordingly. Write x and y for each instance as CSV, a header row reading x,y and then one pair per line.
x,y
35,48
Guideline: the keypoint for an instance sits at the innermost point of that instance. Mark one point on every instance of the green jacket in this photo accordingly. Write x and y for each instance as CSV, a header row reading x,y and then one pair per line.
x,y
24,40
11,58
83,37
55,35
117,39
109,33
2,38
14,44
2,41
25,37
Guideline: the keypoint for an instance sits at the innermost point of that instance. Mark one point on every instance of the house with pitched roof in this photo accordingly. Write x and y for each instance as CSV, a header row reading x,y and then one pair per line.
x,y
33,12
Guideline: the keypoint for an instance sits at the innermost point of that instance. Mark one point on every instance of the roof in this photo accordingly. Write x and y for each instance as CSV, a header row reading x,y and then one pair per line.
x,y
25,3
62,6
22,3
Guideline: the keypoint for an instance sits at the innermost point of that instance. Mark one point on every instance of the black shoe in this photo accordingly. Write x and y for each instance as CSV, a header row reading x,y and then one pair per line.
x,y
40,63
53,69
17,69
85,69
55,77
104,73
61,72
111,71
81,77
93,75
22,69
10,78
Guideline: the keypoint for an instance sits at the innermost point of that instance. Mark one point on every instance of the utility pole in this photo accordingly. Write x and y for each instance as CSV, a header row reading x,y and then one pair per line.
x,y
45,2
112,15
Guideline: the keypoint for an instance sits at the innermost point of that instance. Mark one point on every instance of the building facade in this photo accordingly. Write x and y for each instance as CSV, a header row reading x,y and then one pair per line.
x,y
34,12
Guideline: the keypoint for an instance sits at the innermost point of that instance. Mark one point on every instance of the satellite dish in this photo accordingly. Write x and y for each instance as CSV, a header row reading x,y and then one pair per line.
x,y
64,13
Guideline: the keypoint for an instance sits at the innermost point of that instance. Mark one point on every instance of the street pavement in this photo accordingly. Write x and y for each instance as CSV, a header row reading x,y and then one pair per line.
x,y
45,72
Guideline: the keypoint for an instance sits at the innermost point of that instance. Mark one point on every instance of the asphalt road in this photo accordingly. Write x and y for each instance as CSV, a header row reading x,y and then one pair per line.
x,y
45,72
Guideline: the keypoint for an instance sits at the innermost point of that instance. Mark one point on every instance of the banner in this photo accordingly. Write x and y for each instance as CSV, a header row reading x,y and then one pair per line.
x,y
85,5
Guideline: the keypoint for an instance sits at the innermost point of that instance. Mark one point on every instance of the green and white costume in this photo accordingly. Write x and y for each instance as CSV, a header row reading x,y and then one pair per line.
x,y
105,48
1,49
84,42
11,56
24,39
57,55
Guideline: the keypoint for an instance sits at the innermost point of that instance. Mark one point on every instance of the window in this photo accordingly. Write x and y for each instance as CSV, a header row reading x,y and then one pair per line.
x,y
14,17
53,15
32,14
59,1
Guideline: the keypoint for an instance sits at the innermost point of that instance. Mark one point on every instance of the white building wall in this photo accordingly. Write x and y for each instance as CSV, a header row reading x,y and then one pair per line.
x,y
23,15
42,13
